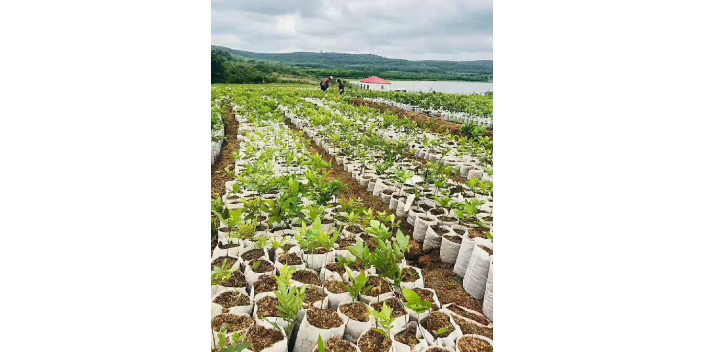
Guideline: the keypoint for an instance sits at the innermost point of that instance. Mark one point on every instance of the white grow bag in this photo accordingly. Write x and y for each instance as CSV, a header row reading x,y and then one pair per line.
x,y
354,328
447,341
477,273
307,338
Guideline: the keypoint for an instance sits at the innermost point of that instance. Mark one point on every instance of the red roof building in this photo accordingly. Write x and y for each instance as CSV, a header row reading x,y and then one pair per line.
x,y
375,79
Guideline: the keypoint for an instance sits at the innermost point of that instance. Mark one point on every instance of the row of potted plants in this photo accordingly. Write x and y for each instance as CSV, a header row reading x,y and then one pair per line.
x,y
459,117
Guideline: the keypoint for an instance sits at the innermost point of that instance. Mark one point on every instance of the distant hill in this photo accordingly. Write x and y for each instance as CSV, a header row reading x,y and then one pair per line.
x,y
361,65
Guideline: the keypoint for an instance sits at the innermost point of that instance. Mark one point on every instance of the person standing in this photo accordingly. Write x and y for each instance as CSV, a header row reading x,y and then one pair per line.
x,y
341,86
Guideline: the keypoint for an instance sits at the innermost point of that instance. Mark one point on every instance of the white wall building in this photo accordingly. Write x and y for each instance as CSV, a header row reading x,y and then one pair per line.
x,y
375,83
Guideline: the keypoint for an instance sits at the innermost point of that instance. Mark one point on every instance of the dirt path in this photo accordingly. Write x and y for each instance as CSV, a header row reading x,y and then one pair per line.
x,y
218,176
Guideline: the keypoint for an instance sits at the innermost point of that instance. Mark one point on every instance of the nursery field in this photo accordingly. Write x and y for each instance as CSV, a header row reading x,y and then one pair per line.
x,y
338,225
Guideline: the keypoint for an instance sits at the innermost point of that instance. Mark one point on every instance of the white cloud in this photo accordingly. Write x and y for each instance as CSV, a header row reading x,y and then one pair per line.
x,y
412,29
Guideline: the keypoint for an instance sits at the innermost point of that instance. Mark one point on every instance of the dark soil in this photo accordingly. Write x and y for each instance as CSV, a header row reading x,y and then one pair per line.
x,y
447,285
314,294
414,250
452,238
289,259
378,286
440,230
393,303
228,246
218,176
320,250
265,283
435,349
324,318
218,262
336,345
374,341
409,275
335,286
261,337
306,277
252,254
287,246
232,299
471,344
478,318
408,336
356,311
347,242
476,233
236,280
266,307
487,249
437,320
264,267
336,267
234,322
469,328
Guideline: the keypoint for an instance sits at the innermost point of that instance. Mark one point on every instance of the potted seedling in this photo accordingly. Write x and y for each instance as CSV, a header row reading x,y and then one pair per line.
x,y
438,328
232,343
317,244
356,313
378,339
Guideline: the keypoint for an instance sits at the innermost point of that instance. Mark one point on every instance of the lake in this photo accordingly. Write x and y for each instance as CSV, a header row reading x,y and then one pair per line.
x,y
442,86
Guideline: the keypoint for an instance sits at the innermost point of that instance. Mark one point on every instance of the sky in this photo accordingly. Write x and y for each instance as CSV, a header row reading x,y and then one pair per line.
x,y
458,30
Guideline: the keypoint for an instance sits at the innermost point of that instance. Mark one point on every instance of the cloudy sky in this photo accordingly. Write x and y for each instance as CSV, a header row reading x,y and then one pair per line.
x,y
402,29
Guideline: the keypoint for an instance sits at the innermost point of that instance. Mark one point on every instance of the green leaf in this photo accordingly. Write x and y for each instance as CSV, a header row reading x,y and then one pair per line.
x,y
321,344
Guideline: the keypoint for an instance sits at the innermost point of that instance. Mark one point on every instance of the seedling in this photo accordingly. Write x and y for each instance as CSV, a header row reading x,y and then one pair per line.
x,y
290,298
357,286
238,343
383,319
221,273
321,344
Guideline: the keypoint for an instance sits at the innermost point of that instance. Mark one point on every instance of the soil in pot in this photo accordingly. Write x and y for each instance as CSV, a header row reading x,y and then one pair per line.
x,y
473,344
393,303
266,307
356,311
261,337
232,299
306,277
336,267
425,207
440,230
288,246
326,222
469,328
320,250
234,322
476,233
252,254
374,341
414,250
335,286
453,238
409,275
227,246
324,318
437,320
388,192
435,349
354,229
437,211
378,286
459,311
336,345
347,242
236,280
289,259
314,294
265,283
446,218
487,249
427,296
408,336
262,267
448,287
218,262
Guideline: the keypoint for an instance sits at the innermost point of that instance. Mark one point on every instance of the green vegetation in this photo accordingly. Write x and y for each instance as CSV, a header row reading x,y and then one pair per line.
x,y
249,67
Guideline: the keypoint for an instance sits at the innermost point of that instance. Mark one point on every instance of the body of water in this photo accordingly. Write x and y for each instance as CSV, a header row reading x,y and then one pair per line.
x,y
442,86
